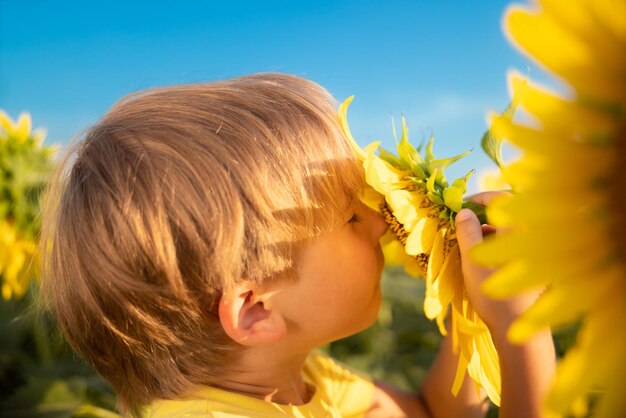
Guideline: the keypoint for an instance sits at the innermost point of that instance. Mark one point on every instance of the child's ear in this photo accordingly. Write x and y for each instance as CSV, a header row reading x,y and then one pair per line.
x,y
247,319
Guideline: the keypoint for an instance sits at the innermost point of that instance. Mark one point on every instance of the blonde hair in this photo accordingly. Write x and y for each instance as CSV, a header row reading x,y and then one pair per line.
x,y
174,195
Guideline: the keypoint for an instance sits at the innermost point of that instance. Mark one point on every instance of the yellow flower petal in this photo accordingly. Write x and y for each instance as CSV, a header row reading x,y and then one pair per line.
x,y
554,47
404,205
22,131
343,120
379,174
422,237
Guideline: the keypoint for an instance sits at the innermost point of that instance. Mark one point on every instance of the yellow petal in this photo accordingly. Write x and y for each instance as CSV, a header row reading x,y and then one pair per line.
x,y
542,143
440,322
558,114
7,292
422,237
450,277
478,373
371,198
379,174
404,204
554,307
343,120
552,46
413,244
582,24
22,131
432,305
435,261
491,179
392,249
38,137
459,376
6,122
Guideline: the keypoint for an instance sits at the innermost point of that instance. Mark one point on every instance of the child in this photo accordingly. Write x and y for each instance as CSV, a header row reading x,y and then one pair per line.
x,y
202,240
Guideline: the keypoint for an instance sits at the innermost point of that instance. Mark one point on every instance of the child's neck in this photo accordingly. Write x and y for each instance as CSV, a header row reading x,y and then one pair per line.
x,y
270,376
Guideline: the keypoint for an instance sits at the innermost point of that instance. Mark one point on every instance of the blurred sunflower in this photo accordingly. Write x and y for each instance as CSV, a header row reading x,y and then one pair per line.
x,y
567,219
24,167
419,205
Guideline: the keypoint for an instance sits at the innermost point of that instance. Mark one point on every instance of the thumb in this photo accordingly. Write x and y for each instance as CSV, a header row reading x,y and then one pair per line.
x,y
468,234
468,230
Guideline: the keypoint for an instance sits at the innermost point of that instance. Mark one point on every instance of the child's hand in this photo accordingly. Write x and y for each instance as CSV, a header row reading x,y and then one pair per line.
x,y
497,314
527,369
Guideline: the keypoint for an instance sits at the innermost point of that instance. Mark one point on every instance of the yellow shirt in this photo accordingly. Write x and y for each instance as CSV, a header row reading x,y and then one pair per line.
x,y
339,393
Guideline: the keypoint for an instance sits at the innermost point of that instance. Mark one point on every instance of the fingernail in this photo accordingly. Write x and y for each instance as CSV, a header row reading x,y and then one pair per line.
x,y
463,215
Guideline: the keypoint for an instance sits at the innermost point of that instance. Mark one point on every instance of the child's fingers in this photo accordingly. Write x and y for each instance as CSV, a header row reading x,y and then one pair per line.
x,y
485,198
469,233
488,230
468,229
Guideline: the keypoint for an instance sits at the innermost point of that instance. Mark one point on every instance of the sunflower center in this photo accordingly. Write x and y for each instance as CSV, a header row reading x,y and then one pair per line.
x,y
401,234
395,226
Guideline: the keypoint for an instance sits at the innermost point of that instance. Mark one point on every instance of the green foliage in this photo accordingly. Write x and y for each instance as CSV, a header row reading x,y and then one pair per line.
x,y
40,376
491,143
24,168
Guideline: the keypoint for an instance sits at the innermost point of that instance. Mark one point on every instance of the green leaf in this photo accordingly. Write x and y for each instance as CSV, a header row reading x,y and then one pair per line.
x,y
479,210
491,143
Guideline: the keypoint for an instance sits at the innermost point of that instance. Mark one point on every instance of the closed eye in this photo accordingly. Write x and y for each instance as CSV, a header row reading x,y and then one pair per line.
x,y
355,219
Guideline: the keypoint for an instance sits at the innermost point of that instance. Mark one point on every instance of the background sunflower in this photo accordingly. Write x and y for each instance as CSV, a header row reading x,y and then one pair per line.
x,y
567,220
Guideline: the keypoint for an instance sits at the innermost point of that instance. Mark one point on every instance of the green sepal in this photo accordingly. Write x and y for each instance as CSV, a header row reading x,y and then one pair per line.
x,y
441,164
432,190
392,159
436,199
492,144
429,152
453,197
479,210
409,154
430,183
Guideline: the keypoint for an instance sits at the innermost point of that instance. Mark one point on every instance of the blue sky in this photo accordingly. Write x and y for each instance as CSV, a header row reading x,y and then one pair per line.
x,y
441,64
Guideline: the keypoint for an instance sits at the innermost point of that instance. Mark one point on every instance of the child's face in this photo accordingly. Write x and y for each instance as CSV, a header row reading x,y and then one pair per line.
x,y
337,292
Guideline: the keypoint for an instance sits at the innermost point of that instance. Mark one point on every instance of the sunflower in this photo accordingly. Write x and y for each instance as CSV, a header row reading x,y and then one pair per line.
x,y
17,256
566,221
419,205
24,166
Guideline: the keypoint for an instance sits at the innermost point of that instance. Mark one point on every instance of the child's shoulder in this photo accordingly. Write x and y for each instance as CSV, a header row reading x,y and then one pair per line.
x,y
350,390
323,368
337,387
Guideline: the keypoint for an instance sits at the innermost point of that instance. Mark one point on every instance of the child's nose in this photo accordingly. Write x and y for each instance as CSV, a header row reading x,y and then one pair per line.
x,y
378,226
